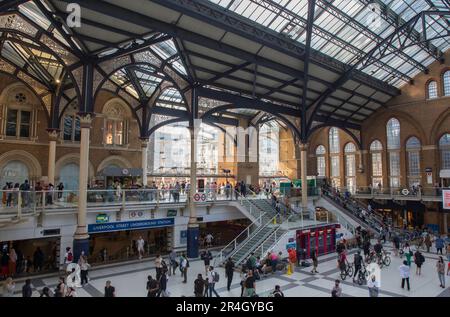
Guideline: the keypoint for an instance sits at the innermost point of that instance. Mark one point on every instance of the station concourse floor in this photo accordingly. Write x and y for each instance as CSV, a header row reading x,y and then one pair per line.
x,y
129,279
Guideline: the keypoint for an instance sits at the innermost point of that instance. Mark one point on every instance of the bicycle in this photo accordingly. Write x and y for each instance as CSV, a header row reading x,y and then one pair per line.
x,y
346,270
363,274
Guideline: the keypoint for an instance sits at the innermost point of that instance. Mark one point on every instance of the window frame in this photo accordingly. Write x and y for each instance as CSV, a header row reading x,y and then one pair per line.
x,y
432,81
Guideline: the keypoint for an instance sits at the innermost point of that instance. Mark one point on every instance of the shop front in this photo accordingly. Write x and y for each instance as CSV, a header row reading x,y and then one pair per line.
x,y
116,241
40,255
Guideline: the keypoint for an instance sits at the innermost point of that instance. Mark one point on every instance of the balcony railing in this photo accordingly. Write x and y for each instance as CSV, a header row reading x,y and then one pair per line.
x,y
26,202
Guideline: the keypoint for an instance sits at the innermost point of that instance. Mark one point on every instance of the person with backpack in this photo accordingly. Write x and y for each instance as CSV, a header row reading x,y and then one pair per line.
x,y
68,257
206,257
184,265
419,259
152,287
277,292
229,270
199,286
213,279
173,262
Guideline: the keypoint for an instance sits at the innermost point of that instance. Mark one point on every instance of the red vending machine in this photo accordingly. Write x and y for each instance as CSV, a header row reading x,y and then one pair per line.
x,y
322,237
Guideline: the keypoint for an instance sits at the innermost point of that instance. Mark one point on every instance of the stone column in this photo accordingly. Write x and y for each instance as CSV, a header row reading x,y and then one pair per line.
x,y
53,137
144,147
304,166
193,227
81,238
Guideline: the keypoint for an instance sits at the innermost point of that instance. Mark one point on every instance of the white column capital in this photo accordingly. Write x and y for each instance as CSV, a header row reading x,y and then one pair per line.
x,y
53,134
303,146
86,119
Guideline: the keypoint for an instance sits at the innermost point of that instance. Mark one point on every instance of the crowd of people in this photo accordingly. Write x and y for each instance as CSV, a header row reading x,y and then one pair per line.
x,y
41,193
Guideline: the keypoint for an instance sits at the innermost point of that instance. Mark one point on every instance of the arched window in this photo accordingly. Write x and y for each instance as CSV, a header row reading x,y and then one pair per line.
x,y
116,123
446,83
413,146
320,153
444,147
19,116
377,163
393,146
71,125
269,149
333,139
432,89
350,167
14,172
393,134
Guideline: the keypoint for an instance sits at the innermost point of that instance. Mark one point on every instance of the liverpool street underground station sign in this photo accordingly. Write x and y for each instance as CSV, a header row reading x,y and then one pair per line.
x,y
130,225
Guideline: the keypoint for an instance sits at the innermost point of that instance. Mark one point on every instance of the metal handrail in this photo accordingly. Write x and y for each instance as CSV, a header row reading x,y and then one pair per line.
x,y
273,233
271,221
247,230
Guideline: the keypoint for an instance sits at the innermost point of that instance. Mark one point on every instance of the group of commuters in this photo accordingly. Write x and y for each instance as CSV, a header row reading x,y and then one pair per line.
x,y
40,193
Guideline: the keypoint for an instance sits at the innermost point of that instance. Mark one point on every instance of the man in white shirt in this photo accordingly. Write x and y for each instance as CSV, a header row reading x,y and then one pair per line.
x,y
140,247
209,238
213,278
404,274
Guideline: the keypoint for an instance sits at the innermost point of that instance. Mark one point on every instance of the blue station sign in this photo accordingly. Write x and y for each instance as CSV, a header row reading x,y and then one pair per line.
x,y
130,225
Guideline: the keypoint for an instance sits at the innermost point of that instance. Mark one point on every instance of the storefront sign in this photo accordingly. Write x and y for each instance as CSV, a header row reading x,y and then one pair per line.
x,y
102,218
131,225
405,191
171,213
136,214
446,199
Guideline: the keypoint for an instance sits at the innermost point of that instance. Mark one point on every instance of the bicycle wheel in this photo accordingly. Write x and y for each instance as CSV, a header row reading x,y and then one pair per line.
x,y
350,271
361,278
387,260
343,275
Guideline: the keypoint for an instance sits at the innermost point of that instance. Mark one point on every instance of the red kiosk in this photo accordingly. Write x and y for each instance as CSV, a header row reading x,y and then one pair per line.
x,y
322,237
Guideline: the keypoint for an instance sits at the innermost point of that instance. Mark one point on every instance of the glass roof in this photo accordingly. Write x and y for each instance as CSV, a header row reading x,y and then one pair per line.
x,y
349,29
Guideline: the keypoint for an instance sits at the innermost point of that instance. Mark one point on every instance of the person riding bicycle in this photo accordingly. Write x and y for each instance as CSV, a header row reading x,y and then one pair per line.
x,y
342,261
357,260
378,248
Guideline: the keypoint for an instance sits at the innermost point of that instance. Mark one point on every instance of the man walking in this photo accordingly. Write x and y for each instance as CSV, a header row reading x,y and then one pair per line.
x,y
140,247
404,274
229,269
184,264
199,286
213,279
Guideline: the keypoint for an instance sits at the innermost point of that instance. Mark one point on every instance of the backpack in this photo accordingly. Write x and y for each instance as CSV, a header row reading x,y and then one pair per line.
x,y
216,277
69,256
422,258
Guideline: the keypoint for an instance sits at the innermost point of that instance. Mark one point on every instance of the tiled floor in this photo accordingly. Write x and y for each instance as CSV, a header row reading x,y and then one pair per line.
x,y
130,281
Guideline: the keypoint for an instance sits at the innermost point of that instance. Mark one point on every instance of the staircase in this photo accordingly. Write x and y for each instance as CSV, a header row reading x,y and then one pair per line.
x,y
260,236
352,210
